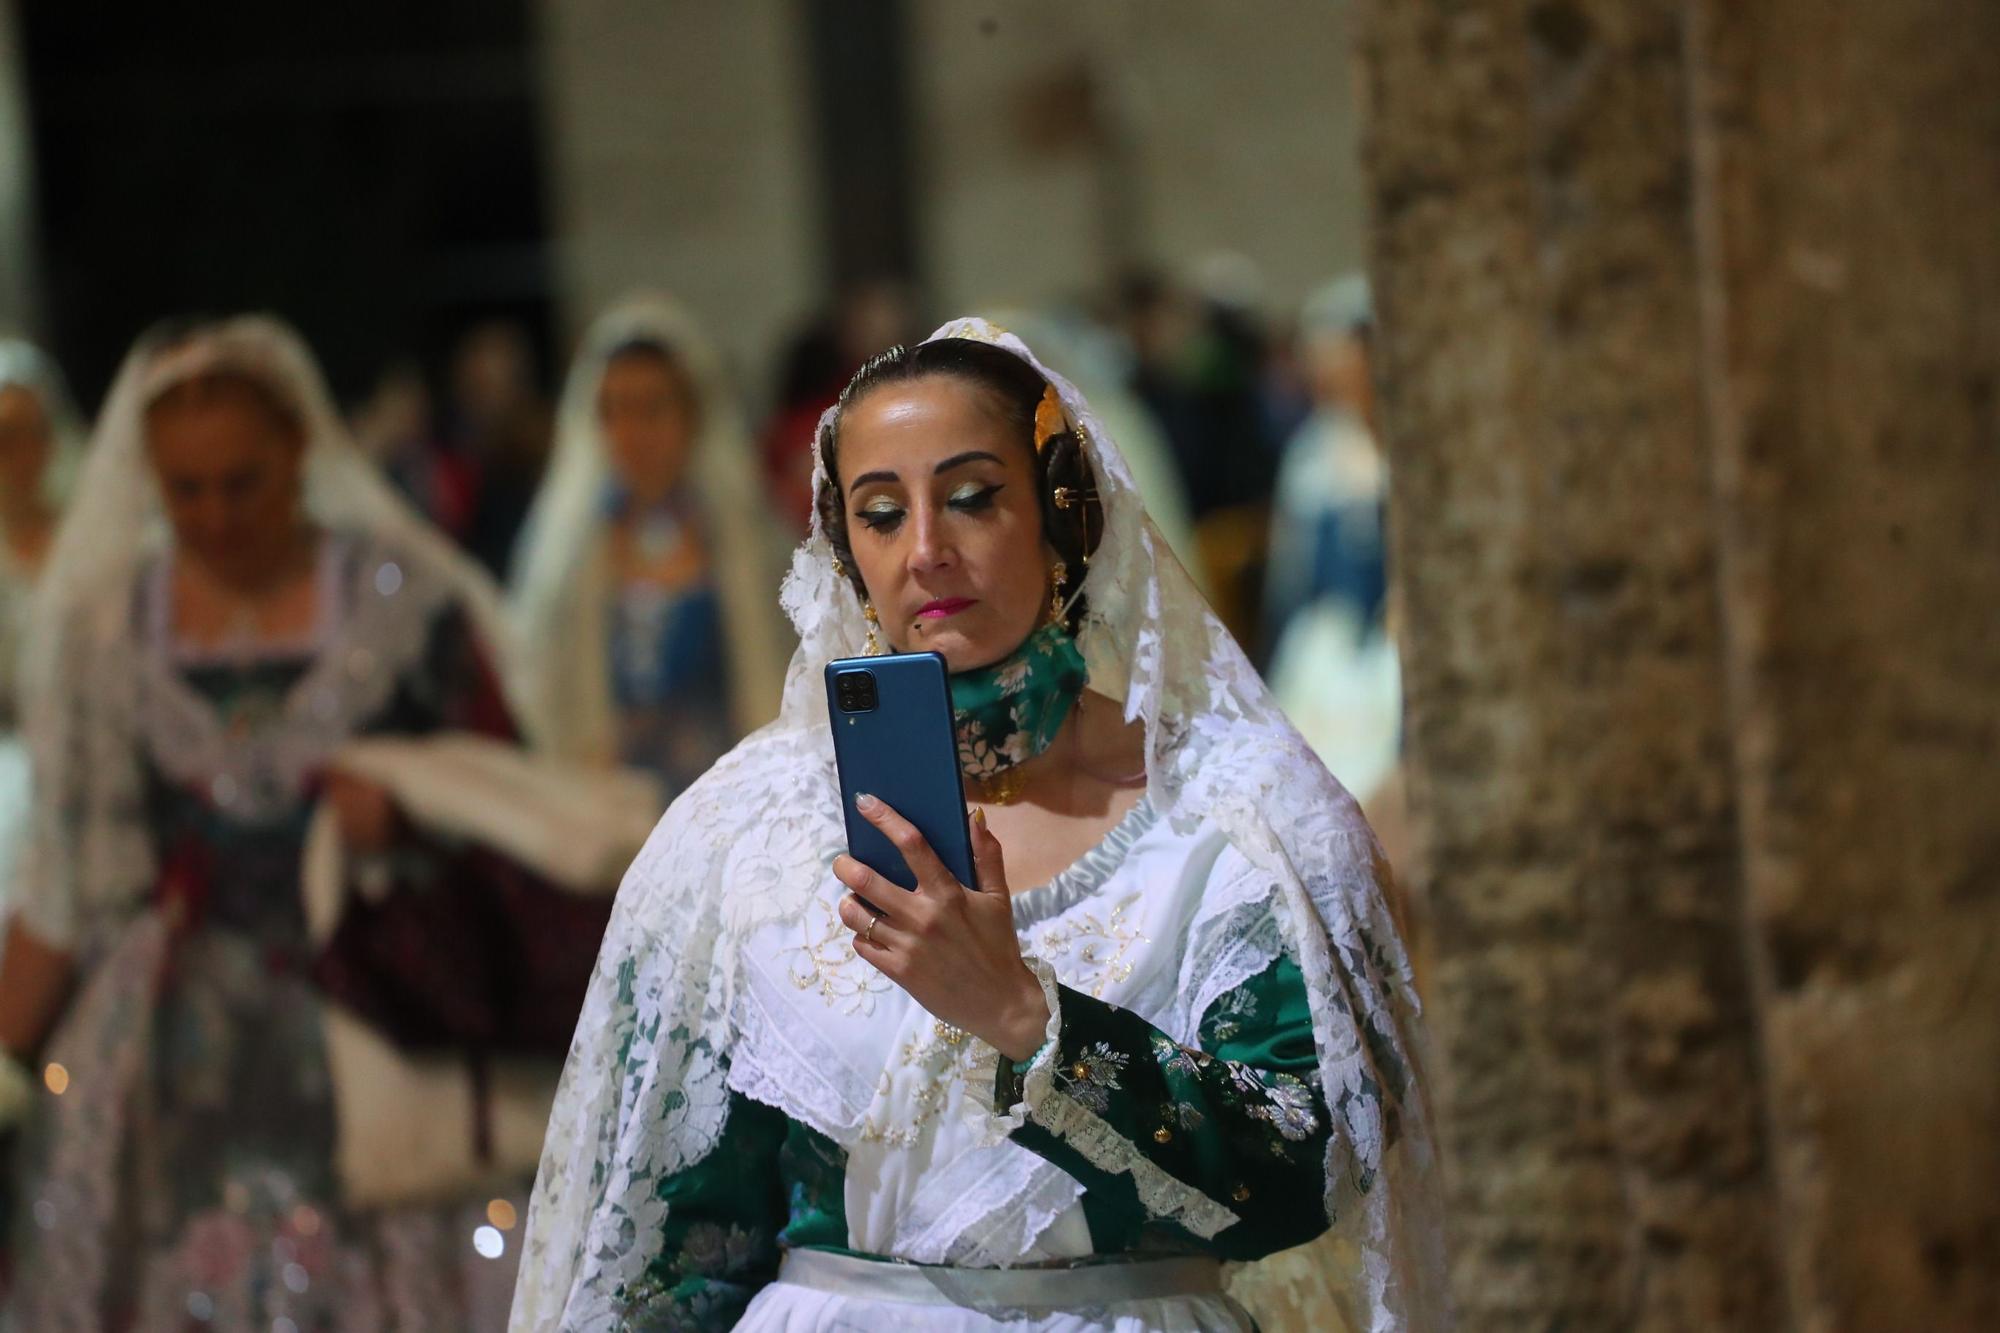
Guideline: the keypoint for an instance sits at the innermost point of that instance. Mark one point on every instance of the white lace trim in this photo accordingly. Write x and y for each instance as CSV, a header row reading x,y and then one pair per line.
x,y
982,1075
952,1220
1162,1194
772,1068
386,609
1236,935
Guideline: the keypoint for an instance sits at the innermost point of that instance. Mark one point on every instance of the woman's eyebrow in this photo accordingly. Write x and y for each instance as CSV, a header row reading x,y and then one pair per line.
x,y
956,460
960,460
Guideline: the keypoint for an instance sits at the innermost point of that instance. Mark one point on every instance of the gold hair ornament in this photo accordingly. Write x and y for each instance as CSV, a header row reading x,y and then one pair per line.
x,y
1050,419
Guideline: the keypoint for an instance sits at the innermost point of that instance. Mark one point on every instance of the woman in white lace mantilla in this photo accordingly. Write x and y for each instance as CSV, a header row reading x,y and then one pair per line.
x,y
1186,1039
40,439
234,597
642,585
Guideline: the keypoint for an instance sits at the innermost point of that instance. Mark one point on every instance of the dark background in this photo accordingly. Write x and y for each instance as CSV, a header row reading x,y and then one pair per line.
x,y
173,142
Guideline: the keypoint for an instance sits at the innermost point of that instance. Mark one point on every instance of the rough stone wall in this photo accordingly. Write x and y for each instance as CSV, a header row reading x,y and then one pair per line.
x,y
680,160
1689,357
1195,109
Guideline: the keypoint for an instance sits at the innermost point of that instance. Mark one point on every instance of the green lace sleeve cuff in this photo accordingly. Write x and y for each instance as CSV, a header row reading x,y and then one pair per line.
x,y
1006,1090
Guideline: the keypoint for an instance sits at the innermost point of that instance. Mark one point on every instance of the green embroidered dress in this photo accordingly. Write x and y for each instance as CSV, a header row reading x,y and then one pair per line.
x,y
1236,1114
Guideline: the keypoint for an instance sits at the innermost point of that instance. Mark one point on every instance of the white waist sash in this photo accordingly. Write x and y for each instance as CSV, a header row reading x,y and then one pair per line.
x,y
993,1290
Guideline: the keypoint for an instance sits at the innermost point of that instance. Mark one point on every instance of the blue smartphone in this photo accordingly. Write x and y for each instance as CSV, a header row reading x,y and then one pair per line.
x,y
893,737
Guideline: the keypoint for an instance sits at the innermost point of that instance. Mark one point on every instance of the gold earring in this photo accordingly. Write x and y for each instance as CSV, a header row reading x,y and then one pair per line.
x,y
839,570
1058,575
868,613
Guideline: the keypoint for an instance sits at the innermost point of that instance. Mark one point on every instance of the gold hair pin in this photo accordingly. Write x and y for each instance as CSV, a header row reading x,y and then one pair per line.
x,y
1050,419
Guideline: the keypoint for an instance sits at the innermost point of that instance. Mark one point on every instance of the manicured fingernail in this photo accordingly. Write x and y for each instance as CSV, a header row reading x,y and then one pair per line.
x,y
865,803
978,816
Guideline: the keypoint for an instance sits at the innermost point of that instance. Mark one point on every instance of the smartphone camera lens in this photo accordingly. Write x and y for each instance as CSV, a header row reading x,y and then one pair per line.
x,y
856,691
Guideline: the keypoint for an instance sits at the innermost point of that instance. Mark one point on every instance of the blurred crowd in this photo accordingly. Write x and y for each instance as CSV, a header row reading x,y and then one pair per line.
x,y
1253,434
287,688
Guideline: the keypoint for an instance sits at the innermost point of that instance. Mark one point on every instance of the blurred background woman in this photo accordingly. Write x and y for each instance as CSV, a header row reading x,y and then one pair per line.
x,y
1326,595
40,438
234,596
642,589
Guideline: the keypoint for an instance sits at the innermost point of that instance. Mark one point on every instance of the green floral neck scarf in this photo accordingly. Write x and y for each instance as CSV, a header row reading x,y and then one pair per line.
x,y
1010,712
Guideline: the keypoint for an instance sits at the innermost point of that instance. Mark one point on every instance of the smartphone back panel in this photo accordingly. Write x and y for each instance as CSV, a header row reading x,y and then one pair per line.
x,y
893,737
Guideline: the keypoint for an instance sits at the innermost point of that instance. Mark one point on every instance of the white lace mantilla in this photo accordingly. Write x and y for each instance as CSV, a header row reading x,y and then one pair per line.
x,y
720,953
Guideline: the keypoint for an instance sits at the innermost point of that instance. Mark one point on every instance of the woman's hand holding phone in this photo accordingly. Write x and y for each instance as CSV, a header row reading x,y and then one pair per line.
x,y
952,948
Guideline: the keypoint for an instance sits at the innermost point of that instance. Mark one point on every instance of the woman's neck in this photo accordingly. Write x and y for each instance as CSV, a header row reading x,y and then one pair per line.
x,y
216,608
663,492
1095,755
261,580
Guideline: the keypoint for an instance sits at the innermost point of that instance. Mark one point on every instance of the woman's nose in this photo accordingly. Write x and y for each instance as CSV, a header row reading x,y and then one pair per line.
x,y
206,519
930,547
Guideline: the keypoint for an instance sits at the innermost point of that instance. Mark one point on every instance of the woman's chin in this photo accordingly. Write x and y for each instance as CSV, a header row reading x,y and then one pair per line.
x,y
231,568
962,652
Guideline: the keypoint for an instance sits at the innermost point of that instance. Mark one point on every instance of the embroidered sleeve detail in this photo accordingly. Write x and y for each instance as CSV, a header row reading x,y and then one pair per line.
x,y
1224,1141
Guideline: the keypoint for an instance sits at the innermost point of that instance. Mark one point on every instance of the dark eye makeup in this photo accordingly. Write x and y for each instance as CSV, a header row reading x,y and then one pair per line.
x,y
883,517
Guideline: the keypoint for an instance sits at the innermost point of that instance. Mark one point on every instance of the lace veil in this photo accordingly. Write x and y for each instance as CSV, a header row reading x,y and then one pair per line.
x,y
644,1094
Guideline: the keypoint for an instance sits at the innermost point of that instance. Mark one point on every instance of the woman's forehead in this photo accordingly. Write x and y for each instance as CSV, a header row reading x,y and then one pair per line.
x,y
933,417
213,429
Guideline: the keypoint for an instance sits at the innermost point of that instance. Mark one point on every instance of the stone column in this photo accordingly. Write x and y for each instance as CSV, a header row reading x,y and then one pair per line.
x,y
1689,360
1850,202
1569,730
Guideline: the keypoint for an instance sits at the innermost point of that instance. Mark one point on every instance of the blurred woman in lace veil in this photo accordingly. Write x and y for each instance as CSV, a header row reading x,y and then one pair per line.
x,y
1174,1030
1326,598
1099,364
40,441
641,589
233,597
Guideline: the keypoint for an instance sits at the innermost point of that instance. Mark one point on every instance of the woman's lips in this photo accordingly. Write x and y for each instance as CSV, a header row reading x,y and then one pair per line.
x,y
944,606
